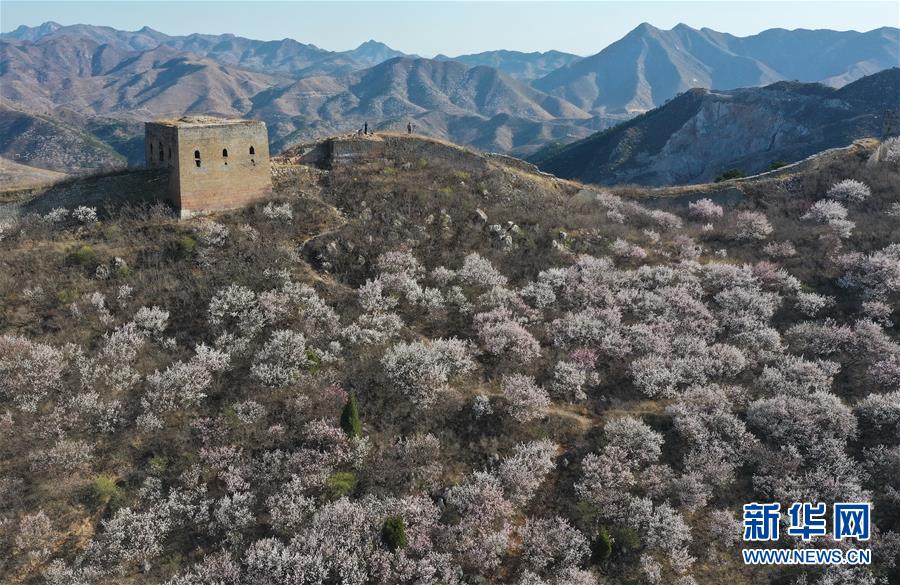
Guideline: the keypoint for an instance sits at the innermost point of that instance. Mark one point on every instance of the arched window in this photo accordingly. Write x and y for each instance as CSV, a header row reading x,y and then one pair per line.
x,y
252,151
170,153
161,152
151,153
225,152
197,157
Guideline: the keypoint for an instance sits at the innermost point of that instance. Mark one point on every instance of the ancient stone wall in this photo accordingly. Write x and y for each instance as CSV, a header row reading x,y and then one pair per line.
x,y
222,167
215,164
161,152
103,191
160,145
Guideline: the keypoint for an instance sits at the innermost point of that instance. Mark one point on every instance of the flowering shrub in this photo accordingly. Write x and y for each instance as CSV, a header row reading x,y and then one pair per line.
x,y
811,303
236,306
151,319
569,380
623,249
752,225
593,328
56,216
525,399
373,328
832,214
849,190
481,406
196,397
500,334
523,472
780,249
85,215
282,359
705,209
552,543
182,384
278,211
29,371
35,532
421,371
478,271
211,233
877,274
399,263
482,535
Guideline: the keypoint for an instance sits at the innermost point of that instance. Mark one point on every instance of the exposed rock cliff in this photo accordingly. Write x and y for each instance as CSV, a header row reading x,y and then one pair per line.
x,y
701,133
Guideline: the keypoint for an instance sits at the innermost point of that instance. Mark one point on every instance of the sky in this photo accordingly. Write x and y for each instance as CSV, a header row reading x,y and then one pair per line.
x,y
454,27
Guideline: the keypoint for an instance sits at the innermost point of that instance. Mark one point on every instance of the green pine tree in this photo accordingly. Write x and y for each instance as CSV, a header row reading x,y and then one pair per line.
x,y
393,533
602,546
350,421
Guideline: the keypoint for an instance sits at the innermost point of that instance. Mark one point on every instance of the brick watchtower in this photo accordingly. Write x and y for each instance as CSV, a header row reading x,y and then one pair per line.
x,y
215,163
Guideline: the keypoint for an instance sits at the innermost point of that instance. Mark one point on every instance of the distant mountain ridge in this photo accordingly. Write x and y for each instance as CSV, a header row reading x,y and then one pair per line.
x,y
285,57
372,52
649,66
516,64
64,73
104,81
701,133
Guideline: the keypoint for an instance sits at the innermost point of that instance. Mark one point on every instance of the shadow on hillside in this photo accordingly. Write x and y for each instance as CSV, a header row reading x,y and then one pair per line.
x,y
105,191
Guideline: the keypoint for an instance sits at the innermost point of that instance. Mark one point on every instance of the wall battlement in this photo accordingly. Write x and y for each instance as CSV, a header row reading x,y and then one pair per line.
x,y
214,164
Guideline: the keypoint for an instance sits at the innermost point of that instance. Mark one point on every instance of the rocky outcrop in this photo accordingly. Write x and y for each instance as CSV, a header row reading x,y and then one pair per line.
x,y
702,133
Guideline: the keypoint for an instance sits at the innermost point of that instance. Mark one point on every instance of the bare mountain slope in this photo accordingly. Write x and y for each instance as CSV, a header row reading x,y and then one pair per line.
x,y
44,143
649,65
15,176
701,133
285,56
82,75
473,105
516,64
372,52
62,73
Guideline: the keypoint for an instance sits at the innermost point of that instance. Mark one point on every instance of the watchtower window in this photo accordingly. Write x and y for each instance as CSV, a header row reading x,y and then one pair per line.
x,y
252,151
225,152
197,157
161,152
151,153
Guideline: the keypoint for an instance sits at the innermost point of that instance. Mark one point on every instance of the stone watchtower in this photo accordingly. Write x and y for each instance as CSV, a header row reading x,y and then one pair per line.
x,y
214,163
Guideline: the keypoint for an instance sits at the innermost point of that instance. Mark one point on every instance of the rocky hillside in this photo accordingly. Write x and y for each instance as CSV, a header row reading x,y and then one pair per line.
x,y
419,364
45,143
649,66
443,98
701,133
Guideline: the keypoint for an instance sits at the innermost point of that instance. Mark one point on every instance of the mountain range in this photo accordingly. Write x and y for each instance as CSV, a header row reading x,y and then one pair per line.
x,y
103,81
516,64
649,66
701,133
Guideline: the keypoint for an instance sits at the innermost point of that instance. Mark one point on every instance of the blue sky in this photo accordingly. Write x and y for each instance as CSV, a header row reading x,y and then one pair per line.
x,y
452,28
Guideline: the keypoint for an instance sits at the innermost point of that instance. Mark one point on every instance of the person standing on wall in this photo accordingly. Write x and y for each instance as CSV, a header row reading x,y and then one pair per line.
x,y
365,128
409,127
